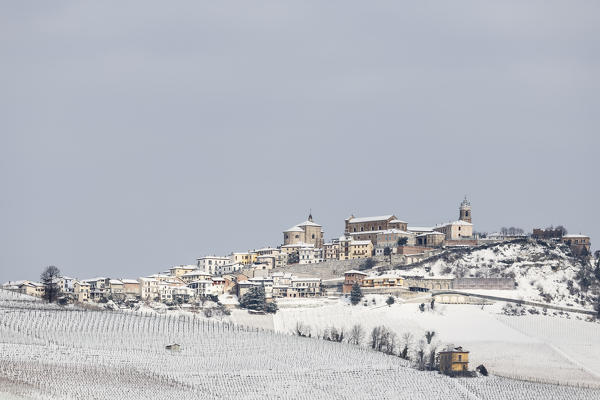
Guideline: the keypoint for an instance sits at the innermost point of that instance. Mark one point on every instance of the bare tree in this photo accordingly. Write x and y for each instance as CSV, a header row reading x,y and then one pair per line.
x,y
429,335
356,334
49,279
420,355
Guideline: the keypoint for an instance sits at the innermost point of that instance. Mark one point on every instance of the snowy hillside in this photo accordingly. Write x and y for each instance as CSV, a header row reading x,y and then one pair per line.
x,y
544,272
55,354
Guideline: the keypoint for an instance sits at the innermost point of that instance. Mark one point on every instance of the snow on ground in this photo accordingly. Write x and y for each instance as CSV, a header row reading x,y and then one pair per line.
x,y
52,354
544,272
533,347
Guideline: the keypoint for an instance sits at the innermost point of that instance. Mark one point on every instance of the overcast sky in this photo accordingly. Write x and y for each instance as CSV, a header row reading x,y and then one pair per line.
x,y
137,135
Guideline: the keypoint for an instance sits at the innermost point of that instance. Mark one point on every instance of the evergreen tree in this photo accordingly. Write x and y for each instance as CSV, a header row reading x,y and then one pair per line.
x,y
390,300
356,294
254,299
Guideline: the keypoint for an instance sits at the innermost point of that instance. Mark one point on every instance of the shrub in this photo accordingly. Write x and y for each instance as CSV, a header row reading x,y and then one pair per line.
x,y
390,300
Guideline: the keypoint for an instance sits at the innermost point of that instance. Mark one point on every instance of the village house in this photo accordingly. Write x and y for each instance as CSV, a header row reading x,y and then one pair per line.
x,y
310,255
116,288
209,264
131,288
228,268
382,281
351,249
307,232
148,288
304,287
350,278
201,288
81,291
244,258
454,362
99,288
277,259
195,275
29,288
579,244
331,250
430,239
181,269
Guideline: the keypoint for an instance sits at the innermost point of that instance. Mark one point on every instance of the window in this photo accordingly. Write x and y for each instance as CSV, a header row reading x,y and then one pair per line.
x,y
361,229
459,357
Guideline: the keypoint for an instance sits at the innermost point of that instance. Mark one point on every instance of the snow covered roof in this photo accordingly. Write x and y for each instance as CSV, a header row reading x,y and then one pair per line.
x,y
297,279
352,220
115,282
575,236
430,233
353,271
459,222
195,273
364,232
308,223
129,281
298,245
294,229
397,221
419,229
360,242
189,267
394,230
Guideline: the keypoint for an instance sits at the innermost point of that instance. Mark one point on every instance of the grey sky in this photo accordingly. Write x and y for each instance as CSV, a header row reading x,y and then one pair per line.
x,y
140,135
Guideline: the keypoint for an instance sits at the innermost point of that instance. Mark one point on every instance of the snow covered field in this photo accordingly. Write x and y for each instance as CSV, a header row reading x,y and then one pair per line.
x,y
48,353
547,348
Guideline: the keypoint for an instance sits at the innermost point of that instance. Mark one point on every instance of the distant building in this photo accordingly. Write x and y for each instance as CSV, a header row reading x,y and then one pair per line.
x,y
181,269
430,239
210,263
350,278
579,244
548,233
455,361
307,232
351,249
367,228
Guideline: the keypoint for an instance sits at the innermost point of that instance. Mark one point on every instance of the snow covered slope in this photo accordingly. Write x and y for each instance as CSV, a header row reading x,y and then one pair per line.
x,y
544,272
55,354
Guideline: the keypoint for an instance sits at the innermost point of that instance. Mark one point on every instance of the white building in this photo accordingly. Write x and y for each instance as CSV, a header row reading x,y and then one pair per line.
x,y
210,263
148,288
310,255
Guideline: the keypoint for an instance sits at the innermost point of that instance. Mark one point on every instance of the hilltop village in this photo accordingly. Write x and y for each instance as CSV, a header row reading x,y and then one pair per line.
x,y
373,252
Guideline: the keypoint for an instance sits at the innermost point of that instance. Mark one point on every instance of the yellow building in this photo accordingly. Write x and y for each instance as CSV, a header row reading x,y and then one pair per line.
x,y
244,258
382,281
352,249
181,269
454,361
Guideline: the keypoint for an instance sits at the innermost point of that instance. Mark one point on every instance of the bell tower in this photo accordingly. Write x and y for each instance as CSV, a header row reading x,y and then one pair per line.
x,y
465,211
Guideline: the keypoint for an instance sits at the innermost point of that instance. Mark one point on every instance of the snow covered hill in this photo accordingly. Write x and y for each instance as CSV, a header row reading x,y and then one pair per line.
x,y
544,272
49,353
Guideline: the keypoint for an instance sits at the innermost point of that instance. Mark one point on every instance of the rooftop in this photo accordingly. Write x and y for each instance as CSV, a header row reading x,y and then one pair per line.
x,y
354,220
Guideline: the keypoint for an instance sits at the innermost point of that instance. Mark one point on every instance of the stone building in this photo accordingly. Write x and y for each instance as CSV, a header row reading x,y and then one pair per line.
x,y
307,232
579,244
367,228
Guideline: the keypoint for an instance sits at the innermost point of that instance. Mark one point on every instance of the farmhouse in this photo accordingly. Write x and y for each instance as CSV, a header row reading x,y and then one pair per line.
x,y
454,361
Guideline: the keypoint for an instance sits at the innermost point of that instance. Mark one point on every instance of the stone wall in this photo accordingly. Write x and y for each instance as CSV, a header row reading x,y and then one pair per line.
x,y
484,283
